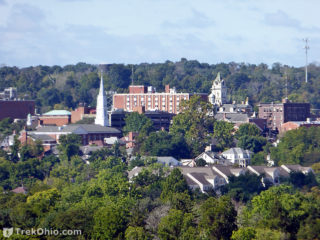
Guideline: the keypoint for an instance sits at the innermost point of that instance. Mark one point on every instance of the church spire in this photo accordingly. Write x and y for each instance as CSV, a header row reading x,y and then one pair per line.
x,y
101,109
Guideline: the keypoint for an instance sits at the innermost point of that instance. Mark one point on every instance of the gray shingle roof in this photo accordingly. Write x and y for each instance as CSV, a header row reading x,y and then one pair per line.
x,y
237,151
90,128
232,117
42,137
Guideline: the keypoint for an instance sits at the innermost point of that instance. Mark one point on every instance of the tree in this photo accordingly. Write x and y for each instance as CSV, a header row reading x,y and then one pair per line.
x,y
165,144
109,222
136,122
252,143
69,145
136,233
247,233
174,183
258,159
248,129
175,225
244,187
299,179
223,133
299,146
217,218
194,123
201,162
278,208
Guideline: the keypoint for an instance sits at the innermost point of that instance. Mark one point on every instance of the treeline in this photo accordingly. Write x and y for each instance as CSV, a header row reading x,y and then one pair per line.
x,y
69,85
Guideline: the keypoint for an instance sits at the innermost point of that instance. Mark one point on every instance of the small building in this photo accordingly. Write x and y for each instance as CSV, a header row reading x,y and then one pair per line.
x,y
21,190
203,178
292,125
270,175
82,112
55,118
9,93
296,168
168,161
213,158
238,156
227,171
236,118
130,139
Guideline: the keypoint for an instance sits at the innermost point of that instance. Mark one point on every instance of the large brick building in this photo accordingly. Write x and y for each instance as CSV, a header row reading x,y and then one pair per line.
x,y
16,109
279,113
138,96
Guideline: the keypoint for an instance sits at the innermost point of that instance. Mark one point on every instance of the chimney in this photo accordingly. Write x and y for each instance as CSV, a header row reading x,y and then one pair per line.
x,y
167,88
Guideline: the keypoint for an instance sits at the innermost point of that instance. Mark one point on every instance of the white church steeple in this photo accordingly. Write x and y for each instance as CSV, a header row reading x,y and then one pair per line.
x,y
218,95
101,110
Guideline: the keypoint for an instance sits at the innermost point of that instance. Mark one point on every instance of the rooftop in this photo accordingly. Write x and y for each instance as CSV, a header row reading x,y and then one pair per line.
x,y
57,113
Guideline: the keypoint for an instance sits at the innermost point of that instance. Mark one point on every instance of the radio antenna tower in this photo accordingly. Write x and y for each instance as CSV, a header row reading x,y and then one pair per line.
x,y
132,74
306,47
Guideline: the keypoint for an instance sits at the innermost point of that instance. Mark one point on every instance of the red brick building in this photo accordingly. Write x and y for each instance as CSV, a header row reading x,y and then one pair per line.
x,y
294,125
138,96
16,109
279,113
82,112
55,118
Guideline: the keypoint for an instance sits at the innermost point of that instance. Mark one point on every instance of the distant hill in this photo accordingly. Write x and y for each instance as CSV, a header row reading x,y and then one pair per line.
x,y
71,84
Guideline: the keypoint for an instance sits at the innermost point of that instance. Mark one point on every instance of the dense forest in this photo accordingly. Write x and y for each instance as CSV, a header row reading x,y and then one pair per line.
x,y
67,86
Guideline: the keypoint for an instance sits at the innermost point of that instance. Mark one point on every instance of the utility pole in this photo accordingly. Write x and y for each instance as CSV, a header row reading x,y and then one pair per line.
x,y
306,47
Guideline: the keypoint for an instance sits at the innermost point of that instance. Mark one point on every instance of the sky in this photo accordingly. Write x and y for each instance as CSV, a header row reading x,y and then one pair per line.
x,y
61,32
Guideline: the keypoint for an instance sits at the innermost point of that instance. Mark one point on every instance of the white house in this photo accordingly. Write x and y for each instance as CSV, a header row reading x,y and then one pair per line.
x,y
238,156
209,157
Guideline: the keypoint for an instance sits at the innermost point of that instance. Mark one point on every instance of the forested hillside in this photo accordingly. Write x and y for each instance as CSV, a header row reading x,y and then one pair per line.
x,y
72,84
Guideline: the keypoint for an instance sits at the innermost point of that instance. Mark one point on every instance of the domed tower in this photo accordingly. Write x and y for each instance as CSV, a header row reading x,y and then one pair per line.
x,y
218,95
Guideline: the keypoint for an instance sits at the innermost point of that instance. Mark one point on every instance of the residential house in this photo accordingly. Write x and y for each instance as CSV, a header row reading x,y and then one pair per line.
x,y
227,171
270,175
296,168
238,156
210,157
203,178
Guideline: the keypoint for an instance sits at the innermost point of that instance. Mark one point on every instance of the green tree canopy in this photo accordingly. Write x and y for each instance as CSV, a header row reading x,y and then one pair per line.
x,y
194,123
223,132
136,122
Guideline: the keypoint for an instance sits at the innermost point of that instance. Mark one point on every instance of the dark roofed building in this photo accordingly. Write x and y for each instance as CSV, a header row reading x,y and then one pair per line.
x,y
90,133
279,113
237,118
16,109
160,119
